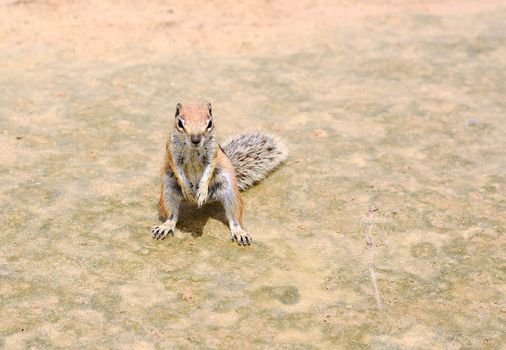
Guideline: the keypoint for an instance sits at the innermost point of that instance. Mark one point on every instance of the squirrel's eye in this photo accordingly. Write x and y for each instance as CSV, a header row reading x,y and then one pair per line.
x,y
180,124
210,124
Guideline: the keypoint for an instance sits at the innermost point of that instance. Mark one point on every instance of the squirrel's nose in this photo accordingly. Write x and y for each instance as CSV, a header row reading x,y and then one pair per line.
x,y
195,139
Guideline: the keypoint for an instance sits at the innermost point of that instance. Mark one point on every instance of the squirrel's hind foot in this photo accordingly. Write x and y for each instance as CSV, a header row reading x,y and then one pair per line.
x,y
163,230
240,236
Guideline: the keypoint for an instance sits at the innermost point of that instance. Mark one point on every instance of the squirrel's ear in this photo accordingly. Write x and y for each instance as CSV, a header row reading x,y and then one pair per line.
x,y
210,109
178,108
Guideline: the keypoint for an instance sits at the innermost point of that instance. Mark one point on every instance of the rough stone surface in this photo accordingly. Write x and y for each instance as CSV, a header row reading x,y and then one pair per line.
x,y
373,101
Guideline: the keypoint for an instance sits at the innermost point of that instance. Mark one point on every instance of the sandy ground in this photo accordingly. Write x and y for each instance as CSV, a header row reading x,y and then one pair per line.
x,y
392,107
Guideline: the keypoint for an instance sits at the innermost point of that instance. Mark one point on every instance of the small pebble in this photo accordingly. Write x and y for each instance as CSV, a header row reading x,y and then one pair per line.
x,y
187,296
472,122
319,133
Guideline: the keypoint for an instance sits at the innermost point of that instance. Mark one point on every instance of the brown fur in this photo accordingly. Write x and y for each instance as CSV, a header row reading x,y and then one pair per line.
x,y
195,117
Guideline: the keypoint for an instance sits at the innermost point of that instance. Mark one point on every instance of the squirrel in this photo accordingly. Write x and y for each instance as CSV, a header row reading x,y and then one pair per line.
x,y
197,169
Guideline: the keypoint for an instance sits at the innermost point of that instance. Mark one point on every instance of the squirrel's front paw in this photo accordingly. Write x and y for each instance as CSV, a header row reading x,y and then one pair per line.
x,y
187,194
202,196
161,231
241,237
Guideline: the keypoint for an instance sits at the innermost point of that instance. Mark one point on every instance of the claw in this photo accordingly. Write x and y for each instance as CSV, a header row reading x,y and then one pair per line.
x,y
162,231
242,238
201,196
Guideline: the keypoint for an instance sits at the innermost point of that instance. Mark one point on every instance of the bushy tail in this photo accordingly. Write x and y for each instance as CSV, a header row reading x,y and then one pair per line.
x,y
254,155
